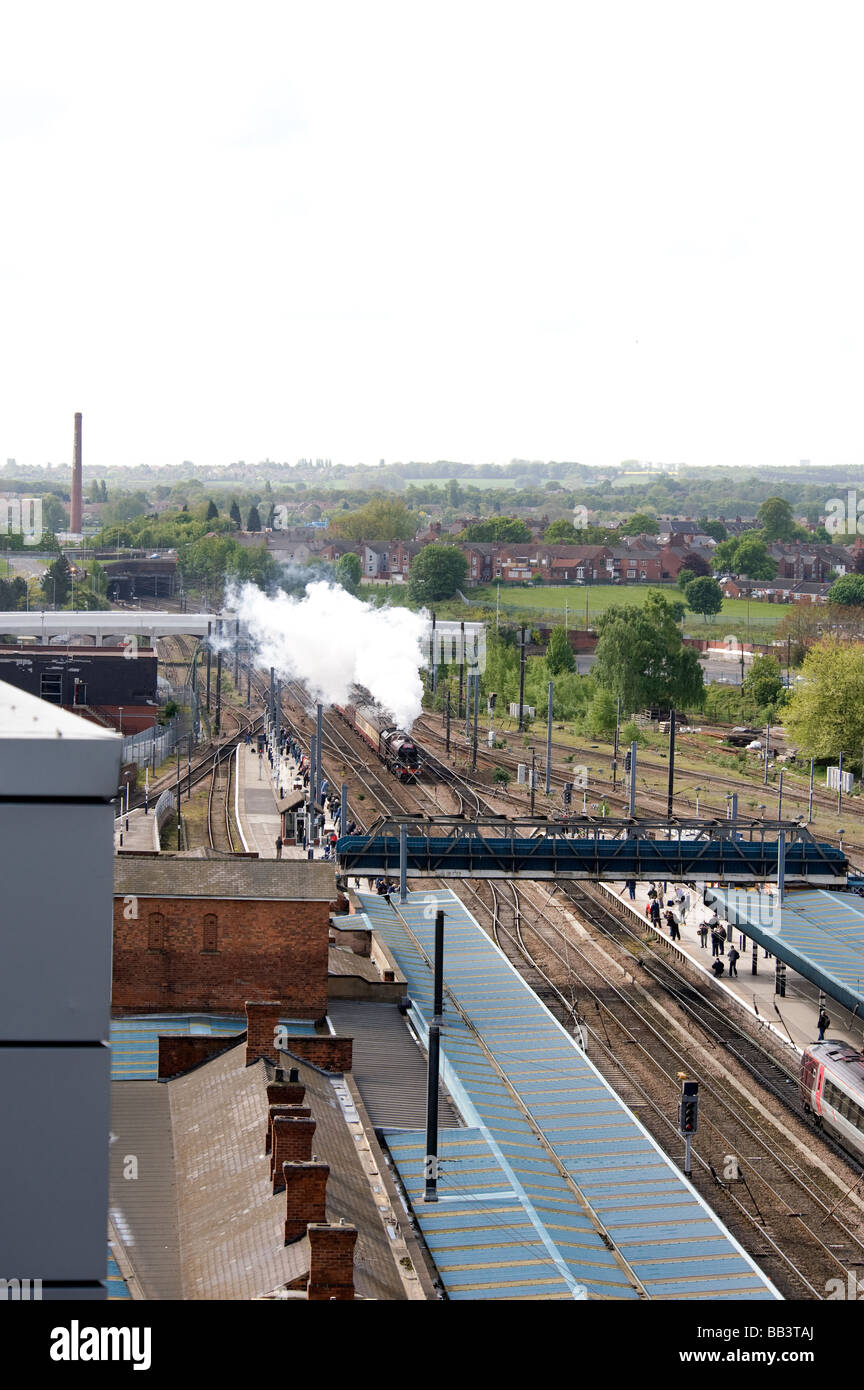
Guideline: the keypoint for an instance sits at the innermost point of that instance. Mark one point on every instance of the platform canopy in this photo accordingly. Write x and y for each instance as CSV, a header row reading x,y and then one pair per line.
x,y
820,934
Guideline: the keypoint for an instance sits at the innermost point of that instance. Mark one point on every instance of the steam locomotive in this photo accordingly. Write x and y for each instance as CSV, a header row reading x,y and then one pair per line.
x,y
394,747
832,1087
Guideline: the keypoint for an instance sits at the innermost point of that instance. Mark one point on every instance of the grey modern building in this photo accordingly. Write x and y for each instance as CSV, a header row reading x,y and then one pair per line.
x,y
58,774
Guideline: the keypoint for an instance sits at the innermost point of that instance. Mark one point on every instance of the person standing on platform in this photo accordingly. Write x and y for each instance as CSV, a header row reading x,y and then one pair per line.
x,y
703,935
672,924
278,846
733,962
822,1023
655,912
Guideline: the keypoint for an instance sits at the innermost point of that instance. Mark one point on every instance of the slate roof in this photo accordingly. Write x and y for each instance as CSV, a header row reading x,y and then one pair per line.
x,y
231,1227
170,876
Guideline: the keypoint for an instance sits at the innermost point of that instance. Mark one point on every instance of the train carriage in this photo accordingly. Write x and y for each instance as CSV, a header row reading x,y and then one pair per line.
x,y
396,749
832,1088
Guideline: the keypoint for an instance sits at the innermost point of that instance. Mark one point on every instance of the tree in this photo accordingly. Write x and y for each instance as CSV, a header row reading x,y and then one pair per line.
x,y
603,714
640,524
747,555
825,714
563,532
349,571
234,513
684,577
696,563
559,653
55,517
763,683
254,564
436,574
253,520
858,562
801,627
704,596
723,556
642,659
848,591
776,519
57,581
497,528
382,519
752,559
715,529
212,510
13,594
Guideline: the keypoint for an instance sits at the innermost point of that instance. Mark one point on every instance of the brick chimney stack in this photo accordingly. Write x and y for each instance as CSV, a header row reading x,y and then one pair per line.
x,y
292,1139
282,1112
305,1195
331,1260
75,508
262,1019
281,1094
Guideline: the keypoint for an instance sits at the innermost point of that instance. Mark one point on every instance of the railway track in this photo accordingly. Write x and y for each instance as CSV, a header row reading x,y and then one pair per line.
x,y
651,800
788,1205
219,832
780,1205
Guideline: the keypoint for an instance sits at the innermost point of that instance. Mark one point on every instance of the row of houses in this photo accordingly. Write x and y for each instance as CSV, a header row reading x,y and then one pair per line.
x,y
635,560
639,558
776,590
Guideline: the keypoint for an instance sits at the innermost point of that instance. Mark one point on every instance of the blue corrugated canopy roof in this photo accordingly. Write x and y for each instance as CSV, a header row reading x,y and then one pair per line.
x,y
554,1185
818,933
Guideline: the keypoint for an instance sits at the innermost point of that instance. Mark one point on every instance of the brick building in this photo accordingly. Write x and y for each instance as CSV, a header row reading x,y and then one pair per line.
x,y
206,934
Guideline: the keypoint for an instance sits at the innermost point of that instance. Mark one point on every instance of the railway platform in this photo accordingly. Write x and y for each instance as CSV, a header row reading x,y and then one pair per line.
x,y
793,1017
136,831
256,808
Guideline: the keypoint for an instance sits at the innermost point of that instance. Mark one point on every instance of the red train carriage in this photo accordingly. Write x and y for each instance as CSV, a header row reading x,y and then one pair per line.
x,y
393,746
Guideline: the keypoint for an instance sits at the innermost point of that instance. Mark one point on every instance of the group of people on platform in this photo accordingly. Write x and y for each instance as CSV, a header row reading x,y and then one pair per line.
x,y
675,916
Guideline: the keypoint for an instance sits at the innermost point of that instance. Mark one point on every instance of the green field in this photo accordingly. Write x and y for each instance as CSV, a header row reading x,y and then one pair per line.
x,y
585,603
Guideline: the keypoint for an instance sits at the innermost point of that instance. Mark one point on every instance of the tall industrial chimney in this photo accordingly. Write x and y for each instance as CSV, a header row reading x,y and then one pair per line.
x,y
75,517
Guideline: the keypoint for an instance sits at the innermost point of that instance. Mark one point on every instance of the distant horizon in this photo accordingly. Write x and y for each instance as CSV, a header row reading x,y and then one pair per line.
x,y
631,466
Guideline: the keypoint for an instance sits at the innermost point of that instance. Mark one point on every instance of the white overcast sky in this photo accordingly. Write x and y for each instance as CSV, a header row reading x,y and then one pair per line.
x,y
592,230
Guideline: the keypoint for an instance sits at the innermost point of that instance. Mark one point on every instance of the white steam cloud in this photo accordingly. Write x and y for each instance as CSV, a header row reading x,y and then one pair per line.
x,y
331,641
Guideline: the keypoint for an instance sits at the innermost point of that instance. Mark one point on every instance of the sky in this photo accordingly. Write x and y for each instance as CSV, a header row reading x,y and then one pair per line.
x,y
471,231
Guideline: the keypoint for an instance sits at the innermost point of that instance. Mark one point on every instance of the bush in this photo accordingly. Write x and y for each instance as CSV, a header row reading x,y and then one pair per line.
x,y
501,776
631,733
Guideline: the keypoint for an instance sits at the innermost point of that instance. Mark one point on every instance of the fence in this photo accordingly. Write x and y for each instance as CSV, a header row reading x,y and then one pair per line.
x,y
165,807
153,746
